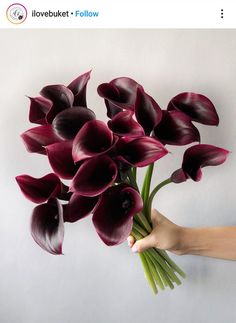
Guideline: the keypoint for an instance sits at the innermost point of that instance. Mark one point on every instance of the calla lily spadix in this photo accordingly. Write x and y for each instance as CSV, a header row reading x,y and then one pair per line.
x,y
101,158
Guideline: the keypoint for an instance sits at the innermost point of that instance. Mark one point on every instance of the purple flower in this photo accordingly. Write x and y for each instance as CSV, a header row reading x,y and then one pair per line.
x,y
94,176
123,124
41,189
113,216
176,128
119,94
197,106
147,111
47,226
140,152
68,122
39,108
197,157
93,139
78,88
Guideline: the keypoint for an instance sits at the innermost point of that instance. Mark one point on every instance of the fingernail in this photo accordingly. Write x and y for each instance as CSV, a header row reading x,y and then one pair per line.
x,y
134,249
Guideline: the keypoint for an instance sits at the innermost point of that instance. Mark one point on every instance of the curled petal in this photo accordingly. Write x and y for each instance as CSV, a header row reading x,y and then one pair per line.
x,y
39,190
176,128
120,92
123,124
113,217
140,152
60,158
39,108
179,176
112,109
93,139
94,176
197,106
79,207
61,96
35,139
68,122
202,155
78,87
147,111
47,226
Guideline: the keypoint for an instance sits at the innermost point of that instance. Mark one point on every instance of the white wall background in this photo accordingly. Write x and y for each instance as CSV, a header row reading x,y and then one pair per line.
x,y
92,282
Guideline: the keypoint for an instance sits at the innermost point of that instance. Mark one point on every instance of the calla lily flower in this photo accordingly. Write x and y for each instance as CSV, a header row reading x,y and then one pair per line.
x,y
197,106
93,139
61,97
119,94
68,122
140,152
176,128
197,157
147,111
78,88
94,176
47,226
39,190
35,139
39,108
60,158
113,216
123,124
79,207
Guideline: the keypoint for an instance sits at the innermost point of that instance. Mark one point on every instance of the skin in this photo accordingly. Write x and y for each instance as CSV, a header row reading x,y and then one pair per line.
x,y
215,242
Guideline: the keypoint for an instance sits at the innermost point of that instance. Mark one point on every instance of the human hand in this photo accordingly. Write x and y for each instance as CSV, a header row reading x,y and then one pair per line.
x,y
165,235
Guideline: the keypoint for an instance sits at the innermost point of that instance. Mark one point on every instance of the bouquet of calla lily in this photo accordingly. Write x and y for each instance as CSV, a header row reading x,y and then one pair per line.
x,y
101,160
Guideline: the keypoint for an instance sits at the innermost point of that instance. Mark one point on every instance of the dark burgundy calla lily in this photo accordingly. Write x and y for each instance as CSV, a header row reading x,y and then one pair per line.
x,y
35,139
197,157
47,226
39,190
39,107
94,176
176,128
197,106
61,97
78,87
123,124
93,139
79,207
119,94
60,158
140,152
68,122
113,217
147,111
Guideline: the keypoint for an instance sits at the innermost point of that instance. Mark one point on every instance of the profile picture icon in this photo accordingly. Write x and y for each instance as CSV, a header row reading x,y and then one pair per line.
x,y
16,13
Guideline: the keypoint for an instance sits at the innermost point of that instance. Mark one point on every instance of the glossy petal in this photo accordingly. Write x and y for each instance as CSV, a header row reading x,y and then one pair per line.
x,y
79,207
93,139
60,158
94,176
120,92
147,111
140,152
78,87
35,139
179,176
61,96
198,107
47,226
202,155
123,124
113,217
39,108
176,128
68,122
39,190
112,109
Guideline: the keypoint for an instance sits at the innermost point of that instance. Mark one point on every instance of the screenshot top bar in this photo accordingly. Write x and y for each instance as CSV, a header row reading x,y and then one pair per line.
x,y
118,14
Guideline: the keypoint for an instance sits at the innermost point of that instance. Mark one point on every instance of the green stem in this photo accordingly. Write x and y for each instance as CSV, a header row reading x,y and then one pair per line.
x,y
132,180
171,263
147,182
135,173
154,271
143,220
148,273
153,193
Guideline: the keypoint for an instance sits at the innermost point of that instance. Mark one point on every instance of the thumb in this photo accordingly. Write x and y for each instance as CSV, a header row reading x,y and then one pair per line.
x,y
143,244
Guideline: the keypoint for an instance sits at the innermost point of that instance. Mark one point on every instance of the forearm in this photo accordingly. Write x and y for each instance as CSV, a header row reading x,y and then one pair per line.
x,y
217,242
